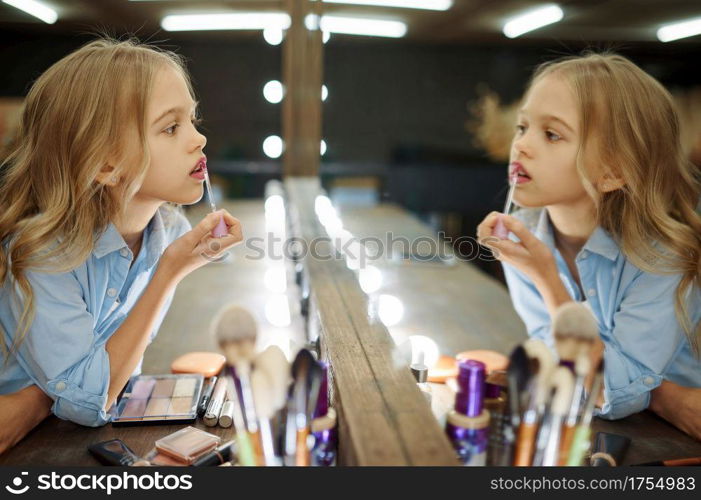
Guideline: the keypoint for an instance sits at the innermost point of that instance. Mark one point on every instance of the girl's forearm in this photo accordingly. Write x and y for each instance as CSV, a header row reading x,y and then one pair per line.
x,y
20,412
127,345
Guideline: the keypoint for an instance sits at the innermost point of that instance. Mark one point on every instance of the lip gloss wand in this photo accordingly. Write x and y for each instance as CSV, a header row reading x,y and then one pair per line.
x,y
220,230
500,230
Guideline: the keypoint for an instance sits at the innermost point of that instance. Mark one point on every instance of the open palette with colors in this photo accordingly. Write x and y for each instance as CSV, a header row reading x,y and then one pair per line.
x,y
154,399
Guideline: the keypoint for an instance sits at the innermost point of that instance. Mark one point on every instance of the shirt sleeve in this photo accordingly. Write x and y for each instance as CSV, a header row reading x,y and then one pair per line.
x,y
59,352
644,340
529,304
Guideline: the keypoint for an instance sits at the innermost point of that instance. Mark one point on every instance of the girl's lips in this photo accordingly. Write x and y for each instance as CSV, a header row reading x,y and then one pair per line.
x,y
200,169
199,175
517,172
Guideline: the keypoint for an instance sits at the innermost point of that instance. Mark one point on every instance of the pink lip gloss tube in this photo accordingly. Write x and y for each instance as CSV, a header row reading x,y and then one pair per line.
x,y
221,228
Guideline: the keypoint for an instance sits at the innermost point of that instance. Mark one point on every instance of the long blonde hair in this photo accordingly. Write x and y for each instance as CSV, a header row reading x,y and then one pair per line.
x,y
630,118
85,109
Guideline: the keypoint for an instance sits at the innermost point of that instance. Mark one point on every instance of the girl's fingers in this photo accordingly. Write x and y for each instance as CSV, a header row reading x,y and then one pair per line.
x,y
485,228
203,228
516,226
506,249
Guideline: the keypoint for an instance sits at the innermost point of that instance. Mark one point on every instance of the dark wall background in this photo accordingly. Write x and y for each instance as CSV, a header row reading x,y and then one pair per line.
x,y
387,99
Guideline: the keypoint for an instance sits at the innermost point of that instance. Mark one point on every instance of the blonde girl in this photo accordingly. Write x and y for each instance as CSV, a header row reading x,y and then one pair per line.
x,y
608,217
91,252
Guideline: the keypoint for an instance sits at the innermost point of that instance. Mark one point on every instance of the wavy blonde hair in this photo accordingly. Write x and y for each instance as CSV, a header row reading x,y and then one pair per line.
x,y
630,120
86,109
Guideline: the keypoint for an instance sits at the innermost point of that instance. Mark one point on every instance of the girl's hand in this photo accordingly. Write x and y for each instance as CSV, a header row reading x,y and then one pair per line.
x,y
530,256
197,247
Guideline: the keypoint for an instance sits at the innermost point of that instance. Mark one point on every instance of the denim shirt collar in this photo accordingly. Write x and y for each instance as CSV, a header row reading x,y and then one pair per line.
x,y
154,241
599,242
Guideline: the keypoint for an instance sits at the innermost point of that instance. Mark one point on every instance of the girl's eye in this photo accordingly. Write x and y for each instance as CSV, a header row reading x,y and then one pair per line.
x,y
171,130
552,136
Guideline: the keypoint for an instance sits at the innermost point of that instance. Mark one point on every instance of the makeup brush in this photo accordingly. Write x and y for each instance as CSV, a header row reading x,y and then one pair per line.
x,y
501,448
517,374
575,329
307,374
581,369
235,331
220,230
563,384
580,441
274,363
263,396
500,230
537,395
573,325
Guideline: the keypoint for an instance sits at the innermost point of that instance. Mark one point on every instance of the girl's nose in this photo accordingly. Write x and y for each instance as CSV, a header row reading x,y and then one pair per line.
x,y
521,145
201,140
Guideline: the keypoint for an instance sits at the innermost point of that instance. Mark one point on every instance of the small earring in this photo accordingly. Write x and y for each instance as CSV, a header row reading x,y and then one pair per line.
x,y
114,179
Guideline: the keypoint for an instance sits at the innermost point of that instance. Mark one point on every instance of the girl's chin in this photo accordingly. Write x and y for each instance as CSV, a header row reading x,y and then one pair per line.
x,y
189,198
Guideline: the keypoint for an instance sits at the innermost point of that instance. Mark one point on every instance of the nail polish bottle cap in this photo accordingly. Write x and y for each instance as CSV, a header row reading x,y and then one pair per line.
x,y
469,400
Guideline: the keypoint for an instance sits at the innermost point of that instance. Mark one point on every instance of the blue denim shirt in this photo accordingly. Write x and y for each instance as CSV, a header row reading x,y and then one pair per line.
x,y
644,342
76,313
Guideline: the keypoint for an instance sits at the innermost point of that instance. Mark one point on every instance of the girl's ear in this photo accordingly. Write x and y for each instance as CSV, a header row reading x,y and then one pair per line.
x,y
107,176
610,182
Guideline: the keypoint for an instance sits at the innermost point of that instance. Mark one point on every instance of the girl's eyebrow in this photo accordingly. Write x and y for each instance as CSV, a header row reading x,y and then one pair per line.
x,y
175,110
554,118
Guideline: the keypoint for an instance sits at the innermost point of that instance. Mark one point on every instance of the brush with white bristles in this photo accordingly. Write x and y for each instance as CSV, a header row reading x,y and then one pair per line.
x,y
575,330
263,396
562,383
274,363
235,331
538,392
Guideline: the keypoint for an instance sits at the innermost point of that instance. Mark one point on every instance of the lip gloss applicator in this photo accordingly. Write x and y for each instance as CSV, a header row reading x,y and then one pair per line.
x,y
220,230
500,230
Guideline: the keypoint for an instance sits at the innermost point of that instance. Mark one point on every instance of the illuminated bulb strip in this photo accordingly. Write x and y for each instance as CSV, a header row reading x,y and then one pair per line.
x,y
229,21
404,4
676,31
363,26
533,20
34,8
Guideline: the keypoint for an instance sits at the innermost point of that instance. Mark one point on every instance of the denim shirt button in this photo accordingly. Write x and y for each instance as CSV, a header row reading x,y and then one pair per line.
x,y
61,386
649,380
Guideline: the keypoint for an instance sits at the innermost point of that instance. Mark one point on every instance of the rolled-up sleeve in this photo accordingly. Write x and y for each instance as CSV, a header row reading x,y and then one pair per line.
x,y
60,353
644,340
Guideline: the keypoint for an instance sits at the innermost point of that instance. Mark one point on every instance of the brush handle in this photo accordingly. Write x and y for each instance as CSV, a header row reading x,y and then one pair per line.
x,y
302,457
247,456
257,447
580,445
566,443
525,444
267,440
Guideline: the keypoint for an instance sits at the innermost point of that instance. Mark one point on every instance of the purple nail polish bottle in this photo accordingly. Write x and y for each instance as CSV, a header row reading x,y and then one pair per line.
x,y
468,424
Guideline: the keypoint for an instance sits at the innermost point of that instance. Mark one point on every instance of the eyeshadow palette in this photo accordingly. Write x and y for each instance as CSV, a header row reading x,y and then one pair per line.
x,y
158,399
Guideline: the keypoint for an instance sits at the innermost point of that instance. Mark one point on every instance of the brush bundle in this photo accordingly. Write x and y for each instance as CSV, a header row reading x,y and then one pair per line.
x,y
541,414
